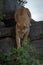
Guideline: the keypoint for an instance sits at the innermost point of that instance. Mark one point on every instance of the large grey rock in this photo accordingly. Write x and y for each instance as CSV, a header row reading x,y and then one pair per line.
x,y
36,35
38,47
2,24
7,39
6,32
6,44
37,43
10,5
36,31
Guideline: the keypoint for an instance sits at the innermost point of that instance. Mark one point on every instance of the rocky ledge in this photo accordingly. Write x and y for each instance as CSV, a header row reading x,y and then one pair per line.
x,y
36,35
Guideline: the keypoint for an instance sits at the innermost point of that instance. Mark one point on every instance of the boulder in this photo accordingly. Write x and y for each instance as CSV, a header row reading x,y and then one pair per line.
x,y
36,36
37,44
7,38
2,24
36,30
6,44
10,5
6,32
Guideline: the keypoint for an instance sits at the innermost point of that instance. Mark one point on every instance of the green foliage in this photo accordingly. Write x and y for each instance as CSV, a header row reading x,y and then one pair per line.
x,y
21,2
17,57
21,56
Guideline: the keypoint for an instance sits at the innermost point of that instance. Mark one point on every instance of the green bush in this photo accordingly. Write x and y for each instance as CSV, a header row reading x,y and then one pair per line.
x,y
21,56
16,57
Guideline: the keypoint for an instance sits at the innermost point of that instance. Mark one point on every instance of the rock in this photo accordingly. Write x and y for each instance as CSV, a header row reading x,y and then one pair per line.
x,y
7,39
6,44
38,44
9,21
2,24
6,32
36,36
36,31
10,5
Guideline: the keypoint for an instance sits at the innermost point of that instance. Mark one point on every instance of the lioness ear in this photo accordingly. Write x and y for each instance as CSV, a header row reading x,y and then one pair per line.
x,y
28,12
15,16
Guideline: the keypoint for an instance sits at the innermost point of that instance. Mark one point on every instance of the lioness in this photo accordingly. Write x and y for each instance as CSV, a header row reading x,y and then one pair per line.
x,y
22,18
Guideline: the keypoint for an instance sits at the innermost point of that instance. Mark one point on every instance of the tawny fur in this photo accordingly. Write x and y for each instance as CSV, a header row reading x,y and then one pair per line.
x,y
22,18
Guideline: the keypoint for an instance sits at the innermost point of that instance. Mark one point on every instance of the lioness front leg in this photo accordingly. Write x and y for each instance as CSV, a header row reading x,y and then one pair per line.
x,y
25,38
18,40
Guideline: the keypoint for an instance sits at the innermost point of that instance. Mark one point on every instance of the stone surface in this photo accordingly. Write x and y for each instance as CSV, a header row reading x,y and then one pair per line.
x,y
6,32
2,24
36,43
6,44
9,6
7,38
36,31
36,36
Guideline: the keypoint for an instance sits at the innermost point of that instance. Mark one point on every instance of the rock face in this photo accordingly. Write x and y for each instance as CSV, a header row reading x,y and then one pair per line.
x,y
7,38
7,30
36,35
36,31
6,44
2,24
9,6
